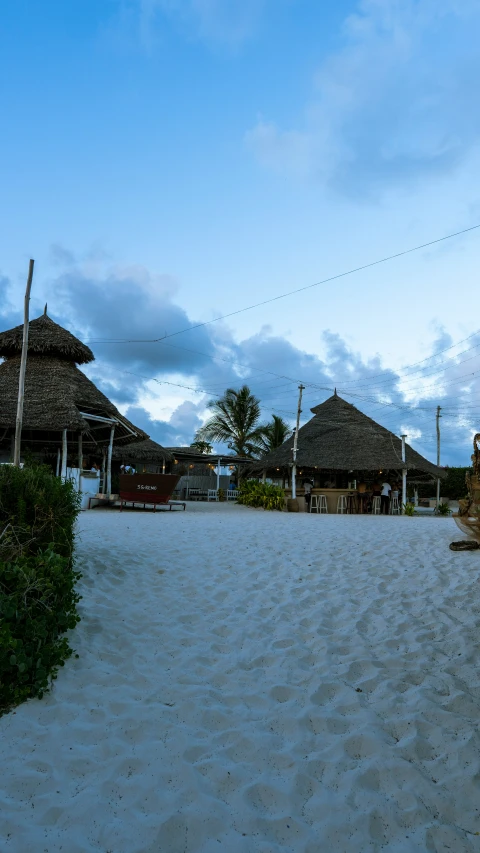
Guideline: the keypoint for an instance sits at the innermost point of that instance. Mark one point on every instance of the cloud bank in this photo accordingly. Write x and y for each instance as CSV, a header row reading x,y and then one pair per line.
x,y
393,104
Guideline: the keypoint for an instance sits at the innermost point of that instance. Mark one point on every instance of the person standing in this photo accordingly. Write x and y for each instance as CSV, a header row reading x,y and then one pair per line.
x,y
307,487
385,498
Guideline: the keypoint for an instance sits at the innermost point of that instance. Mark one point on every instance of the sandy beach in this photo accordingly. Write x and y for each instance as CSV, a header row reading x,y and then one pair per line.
x,y
252,681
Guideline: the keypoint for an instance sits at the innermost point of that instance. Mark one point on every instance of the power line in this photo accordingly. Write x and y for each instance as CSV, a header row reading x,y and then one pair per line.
x,y
290,292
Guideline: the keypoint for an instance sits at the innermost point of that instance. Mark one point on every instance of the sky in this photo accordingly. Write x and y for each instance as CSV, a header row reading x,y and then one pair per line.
x,y
170,162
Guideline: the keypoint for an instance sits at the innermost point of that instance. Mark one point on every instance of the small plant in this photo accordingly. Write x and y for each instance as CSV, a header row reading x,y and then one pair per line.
x,y
409,509
443,509
261,495
221,494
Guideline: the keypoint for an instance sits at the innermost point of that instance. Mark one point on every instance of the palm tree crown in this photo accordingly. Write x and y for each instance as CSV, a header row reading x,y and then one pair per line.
x,y
235,421
275,433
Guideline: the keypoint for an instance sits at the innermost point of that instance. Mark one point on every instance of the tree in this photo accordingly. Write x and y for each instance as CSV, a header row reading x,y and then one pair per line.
x,y
202,446
275,433
235,421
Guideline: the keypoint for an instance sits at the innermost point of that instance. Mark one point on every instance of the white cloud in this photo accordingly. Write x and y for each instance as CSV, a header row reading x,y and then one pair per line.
x,y
224,22
398,100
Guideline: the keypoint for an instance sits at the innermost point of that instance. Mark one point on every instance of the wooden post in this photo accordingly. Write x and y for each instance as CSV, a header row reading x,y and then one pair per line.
x,y
295,443
218,473
163,467
58,461
109,462
23,367
264,476
80,452
438,454
404,475
64,455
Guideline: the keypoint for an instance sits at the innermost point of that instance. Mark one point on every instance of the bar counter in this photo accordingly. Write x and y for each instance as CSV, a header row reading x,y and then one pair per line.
x,y
331,495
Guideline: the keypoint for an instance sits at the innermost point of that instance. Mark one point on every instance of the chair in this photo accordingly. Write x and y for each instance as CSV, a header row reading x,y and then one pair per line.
x,y
232,494
342,504
376,505
212,495
394,506
319,504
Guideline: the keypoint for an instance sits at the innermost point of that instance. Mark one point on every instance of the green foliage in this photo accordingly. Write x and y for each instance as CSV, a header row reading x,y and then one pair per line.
x,y
256,494
235,422
409,509
275,433
452,487
443,509
202,446
221,494
37,579
37,605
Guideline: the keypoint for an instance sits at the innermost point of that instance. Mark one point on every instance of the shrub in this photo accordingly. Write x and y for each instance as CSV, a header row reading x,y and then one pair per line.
x,y
256,494
409,509
443,509
37,579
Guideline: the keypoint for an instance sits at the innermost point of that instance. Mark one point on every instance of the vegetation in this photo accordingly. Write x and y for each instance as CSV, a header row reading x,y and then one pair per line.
x,y
453,487
275,433
409,509
37,580
256,494
202,446
443,509
235,421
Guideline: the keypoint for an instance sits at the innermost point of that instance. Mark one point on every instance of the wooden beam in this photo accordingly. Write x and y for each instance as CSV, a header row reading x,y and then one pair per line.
x,y
23,367
64,455
109,462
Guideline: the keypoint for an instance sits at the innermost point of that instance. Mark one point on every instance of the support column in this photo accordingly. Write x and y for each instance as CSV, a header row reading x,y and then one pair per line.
x,y
109,462
264,476
404,475
80,452
218,473
64,455
415,496
163,467
58,462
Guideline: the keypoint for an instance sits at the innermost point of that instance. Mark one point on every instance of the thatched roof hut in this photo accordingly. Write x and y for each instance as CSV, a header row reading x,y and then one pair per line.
x,y
148,452
58,396
341,438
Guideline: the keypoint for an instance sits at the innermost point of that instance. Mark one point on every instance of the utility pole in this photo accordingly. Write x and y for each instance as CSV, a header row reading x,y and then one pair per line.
x,y
301,389
438,453
23,367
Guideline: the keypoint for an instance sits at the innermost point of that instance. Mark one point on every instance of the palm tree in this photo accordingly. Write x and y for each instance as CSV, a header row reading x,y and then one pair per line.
x,y
275,433
235,421
202,446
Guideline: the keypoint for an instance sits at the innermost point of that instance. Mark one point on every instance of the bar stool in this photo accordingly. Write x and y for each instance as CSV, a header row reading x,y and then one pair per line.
x,y
394,506
342,504
351,504
319,504
376,505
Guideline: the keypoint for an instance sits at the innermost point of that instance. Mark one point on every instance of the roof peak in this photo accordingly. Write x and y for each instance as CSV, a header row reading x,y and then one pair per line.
x,y
45,337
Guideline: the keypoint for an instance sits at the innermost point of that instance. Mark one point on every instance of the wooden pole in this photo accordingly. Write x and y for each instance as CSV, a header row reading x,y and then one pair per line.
x,y
295,443
23,367
80,452
438,454
58,461
109,462
404,475
64,455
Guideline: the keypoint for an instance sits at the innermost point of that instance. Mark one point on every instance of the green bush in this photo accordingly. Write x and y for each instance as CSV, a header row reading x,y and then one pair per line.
x,y
37,580
409,509
256,494
443,509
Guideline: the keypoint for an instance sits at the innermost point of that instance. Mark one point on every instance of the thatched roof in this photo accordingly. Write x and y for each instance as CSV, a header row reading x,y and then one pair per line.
x,y
340,437
45,338
189,454
56,393
142,451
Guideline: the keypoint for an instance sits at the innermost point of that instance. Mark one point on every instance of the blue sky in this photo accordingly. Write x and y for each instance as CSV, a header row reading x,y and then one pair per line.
x,y
169,161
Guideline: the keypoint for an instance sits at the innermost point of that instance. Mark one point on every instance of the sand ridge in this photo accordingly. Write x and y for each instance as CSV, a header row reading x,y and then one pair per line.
x,y
253,681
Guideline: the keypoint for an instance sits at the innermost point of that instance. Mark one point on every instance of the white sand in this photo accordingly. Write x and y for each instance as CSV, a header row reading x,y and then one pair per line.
x,y
214,706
